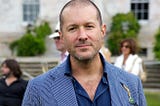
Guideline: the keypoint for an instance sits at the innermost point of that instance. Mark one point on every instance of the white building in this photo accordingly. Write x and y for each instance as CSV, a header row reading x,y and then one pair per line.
x,y
16,14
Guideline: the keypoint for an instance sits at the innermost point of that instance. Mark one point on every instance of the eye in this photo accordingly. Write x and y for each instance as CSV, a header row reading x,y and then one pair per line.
x,y
72,28
89,26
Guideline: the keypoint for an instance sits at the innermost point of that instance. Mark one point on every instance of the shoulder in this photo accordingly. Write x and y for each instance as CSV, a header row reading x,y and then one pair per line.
x,y
138,59
47,78
119,58
1,79
117,76
40,80
23,81
120,75
125,76
129,79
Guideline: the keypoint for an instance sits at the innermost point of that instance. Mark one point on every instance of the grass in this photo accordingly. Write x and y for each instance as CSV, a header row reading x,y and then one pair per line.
x,y
153,98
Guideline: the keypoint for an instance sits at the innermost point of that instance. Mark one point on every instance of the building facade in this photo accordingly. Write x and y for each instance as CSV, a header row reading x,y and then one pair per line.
x,y
15,15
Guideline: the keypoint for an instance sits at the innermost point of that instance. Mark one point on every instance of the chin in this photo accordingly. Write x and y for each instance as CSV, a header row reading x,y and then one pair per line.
x,y
84,57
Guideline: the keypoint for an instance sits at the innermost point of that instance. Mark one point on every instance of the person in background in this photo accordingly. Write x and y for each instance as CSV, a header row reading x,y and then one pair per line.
x,y
59,44
12,86
105,53
129,60
85,78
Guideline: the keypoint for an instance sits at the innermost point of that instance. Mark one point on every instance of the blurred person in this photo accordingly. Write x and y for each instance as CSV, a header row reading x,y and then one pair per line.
x,y
85,78
12,86
105,53
59,44
129,60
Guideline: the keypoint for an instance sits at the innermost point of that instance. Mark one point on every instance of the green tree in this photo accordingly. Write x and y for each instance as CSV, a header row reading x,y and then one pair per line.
x,y
156,48
32,42
43,30
122,26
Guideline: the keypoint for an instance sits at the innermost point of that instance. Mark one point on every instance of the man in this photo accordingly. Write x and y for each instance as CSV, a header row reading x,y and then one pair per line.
x,y
85,78
59,44
12,86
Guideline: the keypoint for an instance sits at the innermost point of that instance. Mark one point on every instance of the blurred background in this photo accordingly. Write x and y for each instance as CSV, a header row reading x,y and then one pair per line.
x,y
18,15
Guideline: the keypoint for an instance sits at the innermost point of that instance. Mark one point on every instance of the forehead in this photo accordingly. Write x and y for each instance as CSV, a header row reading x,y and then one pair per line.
x,y
79,12
125,42
4,65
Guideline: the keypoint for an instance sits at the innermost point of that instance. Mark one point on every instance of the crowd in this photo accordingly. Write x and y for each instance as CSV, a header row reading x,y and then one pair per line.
x,y
85,75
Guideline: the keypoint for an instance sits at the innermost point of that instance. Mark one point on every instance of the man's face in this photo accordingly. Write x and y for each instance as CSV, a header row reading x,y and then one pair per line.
x,y
59,44
81,32
5,70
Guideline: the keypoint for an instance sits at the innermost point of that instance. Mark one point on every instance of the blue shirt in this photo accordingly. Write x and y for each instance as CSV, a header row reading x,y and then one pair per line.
x,y
102,96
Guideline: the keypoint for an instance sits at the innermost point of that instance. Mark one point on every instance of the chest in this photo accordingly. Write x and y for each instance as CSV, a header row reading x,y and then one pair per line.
x,y
15,89
101,96
90,87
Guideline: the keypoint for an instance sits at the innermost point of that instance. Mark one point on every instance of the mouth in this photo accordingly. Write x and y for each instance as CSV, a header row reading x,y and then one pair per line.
x,y
83,45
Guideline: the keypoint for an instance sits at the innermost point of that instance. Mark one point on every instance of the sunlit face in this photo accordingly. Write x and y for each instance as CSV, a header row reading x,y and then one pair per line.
x,y
82,32
125,48
5,70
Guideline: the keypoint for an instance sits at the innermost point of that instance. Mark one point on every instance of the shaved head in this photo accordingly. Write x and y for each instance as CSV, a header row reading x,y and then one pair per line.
x,y
80,4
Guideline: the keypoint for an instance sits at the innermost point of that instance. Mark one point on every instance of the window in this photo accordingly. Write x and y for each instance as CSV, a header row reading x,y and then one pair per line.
x,y
140,8
143,52
30,10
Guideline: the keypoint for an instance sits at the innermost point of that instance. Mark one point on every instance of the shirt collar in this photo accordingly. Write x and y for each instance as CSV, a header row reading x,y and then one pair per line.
x,y
68,68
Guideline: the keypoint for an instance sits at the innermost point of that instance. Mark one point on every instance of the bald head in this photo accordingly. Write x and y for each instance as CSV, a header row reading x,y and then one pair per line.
x,y
79,4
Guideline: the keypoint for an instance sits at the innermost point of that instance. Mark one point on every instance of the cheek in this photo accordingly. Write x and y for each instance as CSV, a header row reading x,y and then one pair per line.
x,y
129,51
68,41
5,70
124,51
96,36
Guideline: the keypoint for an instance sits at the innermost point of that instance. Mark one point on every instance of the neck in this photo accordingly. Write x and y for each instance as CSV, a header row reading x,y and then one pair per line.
x,y
126,56
88,74
10,79
63,51
87,68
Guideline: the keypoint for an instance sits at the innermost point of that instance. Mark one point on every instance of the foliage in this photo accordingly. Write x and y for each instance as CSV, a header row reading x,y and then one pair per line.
x,y
43,30
123,26
152,98
34,46
32,42
156,48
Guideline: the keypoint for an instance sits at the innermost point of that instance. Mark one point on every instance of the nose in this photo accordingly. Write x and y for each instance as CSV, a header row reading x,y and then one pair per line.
x,y
82,35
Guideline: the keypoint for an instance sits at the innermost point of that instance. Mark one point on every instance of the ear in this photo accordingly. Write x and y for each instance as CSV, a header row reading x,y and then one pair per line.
x,y
103,30
60,34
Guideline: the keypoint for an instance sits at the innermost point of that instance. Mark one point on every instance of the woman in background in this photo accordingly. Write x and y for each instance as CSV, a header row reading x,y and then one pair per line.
x,y
129,60
12,86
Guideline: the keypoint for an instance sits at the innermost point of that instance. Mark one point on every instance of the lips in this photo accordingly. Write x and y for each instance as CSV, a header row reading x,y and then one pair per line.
x,y
83,45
